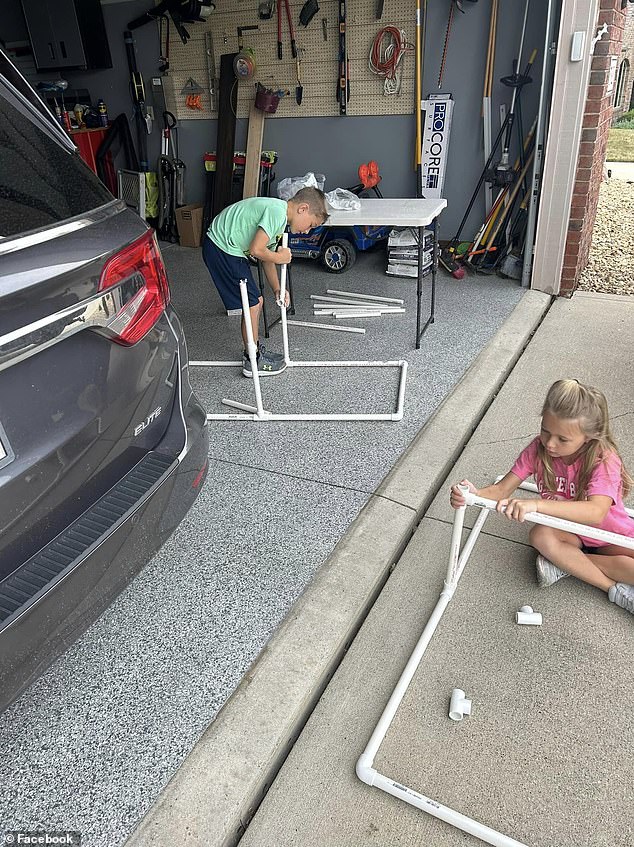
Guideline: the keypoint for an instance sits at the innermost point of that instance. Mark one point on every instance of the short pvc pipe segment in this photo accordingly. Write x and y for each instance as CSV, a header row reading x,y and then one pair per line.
x,y
528,617
459,706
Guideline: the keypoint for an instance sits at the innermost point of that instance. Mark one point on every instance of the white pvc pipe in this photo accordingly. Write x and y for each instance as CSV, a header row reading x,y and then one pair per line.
x,y
531,486
251,348
379,312
398,693
244,406
393,416
347,315
469,545
224,364
444,813
358,307
380,364
558,523
400,402
325,326
347,301
284,271
321,313
365,296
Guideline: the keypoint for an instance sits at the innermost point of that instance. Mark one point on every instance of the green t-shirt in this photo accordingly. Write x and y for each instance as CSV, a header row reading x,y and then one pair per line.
x,y
235,227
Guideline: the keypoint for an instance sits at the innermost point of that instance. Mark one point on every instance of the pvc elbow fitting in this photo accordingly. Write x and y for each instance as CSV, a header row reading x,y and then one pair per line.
x,y
527,616
466,493
364,769
459,706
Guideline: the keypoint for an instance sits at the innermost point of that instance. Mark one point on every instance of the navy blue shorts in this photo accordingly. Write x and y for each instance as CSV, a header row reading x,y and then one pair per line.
x,y
226,272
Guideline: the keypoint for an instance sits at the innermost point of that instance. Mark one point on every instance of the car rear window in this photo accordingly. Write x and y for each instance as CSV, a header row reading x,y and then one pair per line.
x,y
41,184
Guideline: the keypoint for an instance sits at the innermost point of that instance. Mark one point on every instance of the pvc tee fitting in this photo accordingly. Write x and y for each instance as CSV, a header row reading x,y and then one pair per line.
x,y
526,615
459,705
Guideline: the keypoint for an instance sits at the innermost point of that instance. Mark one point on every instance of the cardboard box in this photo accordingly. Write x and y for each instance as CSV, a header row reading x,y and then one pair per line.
x,y
189,221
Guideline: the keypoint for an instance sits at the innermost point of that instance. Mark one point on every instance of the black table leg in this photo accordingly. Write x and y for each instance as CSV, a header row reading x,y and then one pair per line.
x,y
419,288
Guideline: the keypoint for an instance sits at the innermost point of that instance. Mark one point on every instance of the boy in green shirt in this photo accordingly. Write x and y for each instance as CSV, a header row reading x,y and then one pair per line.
x,y
251,228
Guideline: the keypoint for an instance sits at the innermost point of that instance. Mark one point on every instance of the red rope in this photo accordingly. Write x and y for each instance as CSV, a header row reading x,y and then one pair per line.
x,y
384,58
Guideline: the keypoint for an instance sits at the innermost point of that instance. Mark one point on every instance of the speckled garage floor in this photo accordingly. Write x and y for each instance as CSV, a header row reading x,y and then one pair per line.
x,y
91,744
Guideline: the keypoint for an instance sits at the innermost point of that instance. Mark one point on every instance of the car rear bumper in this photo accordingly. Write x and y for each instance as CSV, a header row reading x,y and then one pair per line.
x,y
54,597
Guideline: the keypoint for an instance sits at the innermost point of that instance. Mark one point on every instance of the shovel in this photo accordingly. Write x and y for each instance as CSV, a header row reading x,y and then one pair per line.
x,y
299,91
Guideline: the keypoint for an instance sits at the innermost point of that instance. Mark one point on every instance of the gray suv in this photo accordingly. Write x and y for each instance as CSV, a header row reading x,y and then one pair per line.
x,y
103,444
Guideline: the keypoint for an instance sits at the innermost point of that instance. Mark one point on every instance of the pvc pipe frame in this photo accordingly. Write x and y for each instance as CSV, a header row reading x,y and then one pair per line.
x,y
258,412
457,561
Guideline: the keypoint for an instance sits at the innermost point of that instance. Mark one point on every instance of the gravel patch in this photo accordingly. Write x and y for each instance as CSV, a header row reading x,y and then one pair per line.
x,y
611,264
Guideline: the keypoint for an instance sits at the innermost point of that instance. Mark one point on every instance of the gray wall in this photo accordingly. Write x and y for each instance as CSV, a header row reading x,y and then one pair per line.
x,y
336,146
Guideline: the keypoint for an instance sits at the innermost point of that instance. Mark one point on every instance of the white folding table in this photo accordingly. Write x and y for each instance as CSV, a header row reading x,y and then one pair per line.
x,y
407,212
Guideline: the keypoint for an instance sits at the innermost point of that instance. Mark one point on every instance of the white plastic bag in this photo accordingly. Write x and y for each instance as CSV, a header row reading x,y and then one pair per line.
x,y
287,188
341,198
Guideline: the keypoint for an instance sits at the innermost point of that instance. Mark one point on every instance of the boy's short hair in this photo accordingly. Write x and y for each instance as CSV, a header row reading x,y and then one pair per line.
x,y
314,198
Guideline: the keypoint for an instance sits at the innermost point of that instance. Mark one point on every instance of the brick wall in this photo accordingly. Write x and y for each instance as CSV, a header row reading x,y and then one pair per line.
x,y
594,138
627,52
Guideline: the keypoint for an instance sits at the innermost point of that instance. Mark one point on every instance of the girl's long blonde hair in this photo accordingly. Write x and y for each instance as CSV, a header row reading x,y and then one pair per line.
x,y
570,400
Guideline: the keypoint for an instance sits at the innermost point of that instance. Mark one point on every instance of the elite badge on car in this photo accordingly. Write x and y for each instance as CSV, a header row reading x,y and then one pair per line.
x,y
151,417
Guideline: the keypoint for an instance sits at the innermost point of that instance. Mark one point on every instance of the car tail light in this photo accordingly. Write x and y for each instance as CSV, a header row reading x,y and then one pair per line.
x,y
140,262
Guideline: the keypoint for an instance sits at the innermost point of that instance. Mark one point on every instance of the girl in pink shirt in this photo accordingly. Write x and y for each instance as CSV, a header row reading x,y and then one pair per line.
x,y
580,477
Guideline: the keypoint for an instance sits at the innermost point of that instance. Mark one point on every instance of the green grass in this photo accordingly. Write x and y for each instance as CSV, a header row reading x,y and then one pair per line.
x,y
620,145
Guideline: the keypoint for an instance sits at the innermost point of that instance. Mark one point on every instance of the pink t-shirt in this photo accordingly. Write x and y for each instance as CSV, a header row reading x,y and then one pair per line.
x,y
605,480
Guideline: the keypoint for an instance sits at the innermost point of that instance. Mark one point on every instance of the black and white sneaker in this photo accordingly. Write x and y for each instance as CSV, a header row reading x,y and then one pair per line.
x,y
267,366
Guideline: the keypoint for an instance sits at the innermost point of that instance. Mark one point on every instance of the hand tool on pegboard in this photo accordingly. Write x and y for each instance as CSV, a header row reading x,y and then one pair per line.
x,y
299,91
212,80
291,30
343,83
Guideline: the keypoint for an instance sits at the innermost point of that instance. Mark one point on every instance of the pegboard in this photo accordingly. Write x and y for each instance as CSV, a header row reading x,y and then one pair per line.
x,y
319,59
